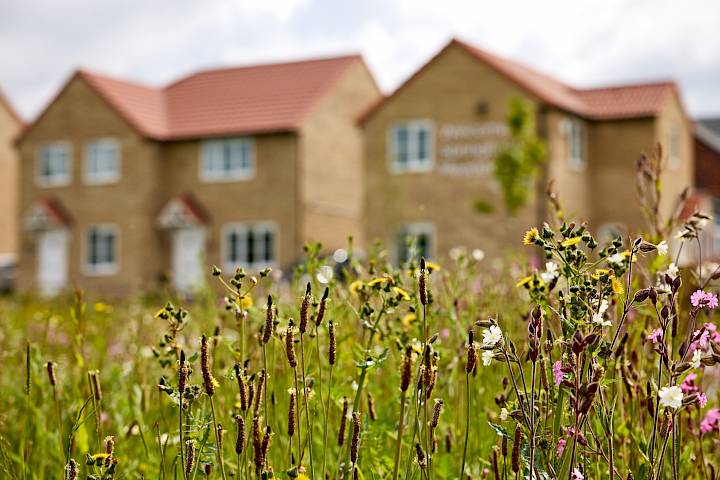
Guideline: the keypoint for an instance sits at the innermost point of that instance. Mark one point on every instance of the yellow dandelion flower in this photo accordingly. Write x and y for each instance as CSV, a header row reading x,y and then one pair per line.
x,y
401,293
377,281
408,320
530,236
159,313
100,456
246,301
524,281
617,285
571,241
431,267
599,273
356,286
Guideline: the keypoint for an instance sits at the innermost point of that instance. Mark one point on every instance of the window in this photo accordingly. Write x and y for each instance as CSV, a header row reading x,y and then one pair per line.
x,y
54,165
227,160
101,250
415,240
411,146
249,245
574,134
674,147
102,161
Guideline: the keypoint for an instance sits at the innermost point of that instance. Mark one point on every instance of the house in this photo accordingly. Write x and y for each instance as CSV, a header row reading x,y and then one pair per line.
x,y
124,185
10,125
430,149
707,176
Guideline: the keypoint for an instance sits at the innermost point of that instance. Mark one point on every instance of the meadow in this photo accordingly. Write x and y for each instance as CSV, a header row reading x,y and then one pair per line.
x,y
576,358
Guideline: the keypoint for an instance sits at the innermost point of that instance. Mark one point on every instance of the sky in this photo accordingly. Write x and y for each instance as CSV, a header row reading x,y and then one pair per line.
x,y
582,42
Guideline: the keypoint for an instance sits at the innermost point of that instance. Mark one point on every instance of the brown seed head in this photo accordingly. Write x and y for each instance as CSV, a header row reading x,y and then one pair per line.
x,y
190,457
292,412
259,391
437,408
355,442
371,407
268,329
471,354
304,308
515,460
406,369
208,380
240,439
242,388
321,308
290,345
72,470
422,282
332,353
95,381
51,373
420,456
343,421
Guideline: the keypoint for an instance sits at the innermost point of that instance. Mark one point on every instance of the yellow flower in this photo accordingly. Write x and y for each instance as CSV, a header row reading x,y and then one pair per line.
x,y
617,285
302,476
401,293
524,281
530,236
571,241
355,287
100,455
599,273
431,267
377,281
408,320
102,308
246,301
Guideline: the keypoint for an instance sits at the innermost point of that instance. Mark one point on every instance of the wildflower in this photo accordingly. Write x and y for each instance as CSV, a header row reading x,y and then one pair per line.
x,y
656,335
673,270
576,475
600,272
571,241
702,399
408,319
503,414
616,259
246,301
598,316
671,397
530,236
688,385
701,299
208,379
524,281
377,281
552,271
487,357
478,255
558,373
561,446
662,248
695,362
711,422
617,285
401,293
355,287
492,336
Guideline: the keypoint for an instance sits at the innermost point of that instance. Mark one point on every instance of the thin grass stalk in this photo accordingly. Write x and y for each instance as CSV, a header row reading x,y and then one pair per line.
x,y
532,421
401,427
299,443
467,423
217,439
307,410
327,419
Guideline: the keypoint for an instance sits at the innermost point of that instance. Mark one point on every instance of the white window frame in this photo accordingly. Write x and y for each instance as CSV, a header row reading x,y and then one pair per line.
x,y
244,227
55,180
101,178
414,163
221,175
105,268
674,146
574,131
414,229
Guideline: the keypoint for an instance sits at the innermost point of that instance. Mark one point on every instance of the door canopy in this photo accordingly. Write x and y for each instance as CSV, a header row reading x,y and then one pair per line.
x,y
182,212
46,214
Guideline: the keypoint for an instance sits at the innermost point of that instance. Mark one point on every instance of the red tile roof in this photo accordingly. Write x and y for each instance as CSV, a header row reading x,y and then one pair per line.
x,y
227,101
622,101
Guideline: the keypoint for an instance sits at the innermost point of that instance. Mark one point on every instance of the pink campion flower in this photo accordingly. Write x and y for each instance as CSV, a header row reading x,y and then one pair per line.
x,y
711,421
688,385
700,299
577,475
702,400
557,373
656,335
561,446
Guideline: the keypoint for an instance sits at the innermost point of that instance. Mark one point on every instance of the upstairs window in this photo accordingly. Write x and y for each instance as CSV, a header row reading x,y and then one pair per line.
x,y
674,147
415,240
411,146
249,245
101,250
102,161
53,168
574,132
227,160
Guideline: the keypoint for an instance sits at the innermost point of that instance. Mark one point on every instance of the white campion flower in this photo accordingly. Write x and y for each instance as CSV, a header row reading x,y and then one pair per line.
x,y
616,258
504,414
695,362
478,255
673,270
492,336
487,357
552,271
671,397
662,248
598,317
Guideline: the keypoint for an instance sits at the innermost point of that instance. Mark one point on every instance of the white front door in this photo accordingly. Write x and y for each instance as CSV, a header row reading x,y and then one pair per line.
x,y
52,261
188,249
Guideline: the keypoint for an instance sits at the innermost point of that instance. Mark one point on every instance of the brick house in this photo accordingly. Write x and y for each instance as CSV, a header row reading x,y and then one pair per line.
x,y
124,184
430,147
707,176
10,125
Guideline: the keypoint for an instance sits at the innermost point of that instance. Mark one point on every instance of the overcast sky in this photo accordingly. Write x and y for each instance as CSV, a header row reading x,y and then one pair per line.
x,y
583,42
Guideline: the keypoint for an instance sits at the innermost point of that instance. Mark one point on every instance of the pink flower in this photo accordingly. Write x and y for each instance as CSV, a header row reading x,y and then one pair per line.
x,y
701,299
688,385
445,332
561,446
656,335
557,373
711,421
702,400
577,475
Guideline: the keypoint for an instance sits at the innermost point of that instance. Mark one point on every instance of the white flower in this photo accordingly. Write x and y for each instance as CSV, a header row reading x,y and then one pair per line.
x,y
662,248
695,362
671,397
492,336
456,252
616,259
598,319
702,223
478,255
551,272
673,270
603,307
503,414
487,357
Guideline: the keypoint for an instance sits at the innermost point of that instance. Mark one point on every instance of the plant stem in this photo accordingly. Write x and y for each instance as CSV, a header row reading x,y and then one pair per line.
x,y
182,453
217,439
307,410
325,427
401,426
467,422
